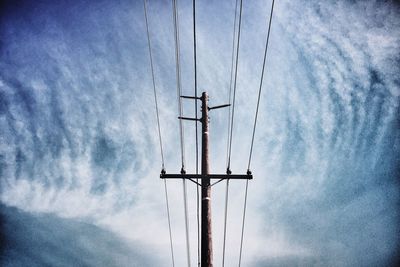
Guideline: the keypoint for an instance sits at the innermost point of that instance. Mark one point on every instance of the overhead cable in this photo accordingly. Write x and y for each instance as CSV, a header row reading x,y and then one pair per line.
x,y
225,220
178,80
228,139
196,129
230,82
244,218
154,84
180,111
169,221
186,221
159,132
234,85
254,129
261,83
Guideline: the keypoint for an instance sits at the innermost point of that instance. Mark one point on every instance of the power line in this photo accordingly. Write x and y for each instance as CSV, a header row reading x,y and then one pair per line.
x,y
154,83
254,129
230,124
261,83
225,220
180,111
178,79
169,222
195,82
228,139
196,129
235,82
186,221
230,83
244,217
159,132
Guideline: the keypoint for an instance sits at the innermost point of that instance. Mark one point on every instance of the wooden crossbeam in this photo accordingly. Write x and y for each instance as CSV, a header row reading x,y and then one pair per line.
x,y
209,176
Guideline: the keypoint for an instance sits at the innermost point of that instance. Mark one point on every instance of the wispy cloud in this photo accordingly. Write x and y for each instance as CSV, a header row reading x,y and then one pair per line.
x,y
78,130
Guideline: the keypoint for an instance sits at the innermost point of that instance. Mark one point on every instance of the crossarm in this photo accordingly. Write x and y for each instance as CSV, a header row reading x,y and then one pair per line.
x,y
210,176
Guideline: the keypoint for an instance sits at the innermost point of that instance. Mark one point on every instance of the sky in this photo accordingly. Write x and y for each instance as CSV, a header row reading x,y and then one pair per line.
x,y
79,152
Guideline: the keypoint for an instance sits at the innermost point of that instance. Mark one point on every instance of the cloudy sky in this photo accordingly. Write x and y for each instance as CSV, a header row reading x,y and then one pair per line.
x,y
79,155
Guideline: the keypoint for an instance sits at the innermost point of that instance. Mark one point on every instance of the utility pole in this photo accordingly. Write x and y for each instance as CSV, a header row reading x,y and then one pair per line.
x,y
206,236
205,177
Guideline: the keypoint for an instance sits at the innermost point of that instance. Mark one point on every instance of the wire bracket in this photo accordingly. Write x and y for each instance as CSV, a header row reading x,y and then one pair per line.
x,y
191,97
220,106
188,119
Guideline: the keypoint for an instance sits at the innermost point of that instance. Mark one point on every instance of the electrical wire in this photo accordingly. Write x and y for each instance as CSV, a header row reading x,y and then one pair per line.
x,y
244,217
254,128
154,84
261,83
180,111
228,139
159,132
230,83
178,80
186,221
197,138
225,220
169,222
235,82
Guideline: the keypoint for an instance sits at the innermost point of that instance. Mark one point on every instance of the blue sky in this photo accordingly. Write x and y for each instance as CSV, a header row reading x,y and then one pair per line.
x,y
78,139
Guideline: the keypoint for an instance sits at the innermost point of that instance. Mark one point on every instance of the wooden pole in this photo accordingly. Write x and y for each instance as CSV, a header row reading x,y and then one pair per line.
x,y
206,177
206,237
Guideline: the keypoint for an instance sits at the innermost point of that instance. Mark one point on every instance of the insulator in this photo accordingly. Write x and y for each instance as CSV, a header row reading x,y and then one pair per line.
x,y
183,171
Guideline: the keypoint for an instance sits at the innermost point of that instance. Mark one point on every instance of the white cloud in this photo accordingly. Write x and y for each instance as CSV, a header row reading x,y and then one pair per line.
x,y
79,136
